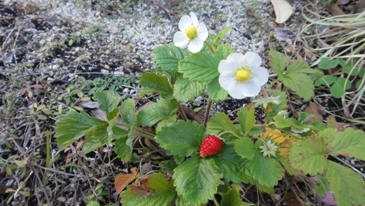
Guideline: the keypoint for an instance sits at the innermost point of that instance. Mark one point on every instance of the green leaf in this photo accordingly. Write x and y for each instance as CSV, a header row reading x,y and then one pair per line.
x,y
348,67
325,80
123,147
246,118
322,186
347,186
197,179
167,57
164,192
157,83
231,198
281,122
216,92
182,138
339,87
72,126
100,137
300,83
185,90
245,148
231,165
349,141
219,123
267,171
203,67
108,101
166,122
155,112
278,61
326,64
127,108
296,76
308,155
223,33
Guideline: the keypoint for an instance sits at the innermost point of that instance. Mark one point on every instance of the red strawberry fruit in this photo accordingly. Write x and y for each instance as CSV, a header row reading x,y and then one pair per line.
x,y
211,145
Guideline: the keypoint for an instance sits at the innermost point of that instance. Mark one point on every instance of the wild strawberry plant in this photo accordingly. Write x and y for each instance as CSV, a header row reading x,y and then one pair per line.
x,y
215,156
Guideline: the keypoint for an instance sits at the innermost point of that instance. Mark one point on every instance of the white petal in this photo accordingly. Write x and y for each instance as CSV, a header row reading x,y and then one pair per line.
x,y
250,89
194,19
184,22
236,93
181,40
202,32
226,68
260,75
253,60
226,82
235,59
196,45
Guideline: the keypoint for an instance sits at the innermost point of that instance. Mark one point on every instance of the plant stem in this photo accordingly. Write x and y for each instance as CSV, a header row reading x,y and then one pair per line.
x,y
143,133
183,115
207,111
137,130
210,47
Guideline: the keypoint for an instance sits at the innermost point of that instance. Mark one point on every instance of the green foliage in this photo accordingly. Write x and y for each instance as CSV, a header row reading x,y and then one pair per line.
x,y
163,192
221,123
231,165
155,112
310,156
295,76
247,119
157,83
185,90
108,101
245,148
167,57
181,76
72,126
231,198
347,186
350,141
266,171
196,180
202,67
338,85
182,138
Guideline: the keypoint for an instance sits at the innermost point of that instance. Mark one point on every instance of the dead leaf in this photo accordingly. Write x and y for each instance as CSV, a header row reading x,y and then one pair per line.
x,y
122,180
283,10
315,110
140,190
328,199
292,199
334,10
4,189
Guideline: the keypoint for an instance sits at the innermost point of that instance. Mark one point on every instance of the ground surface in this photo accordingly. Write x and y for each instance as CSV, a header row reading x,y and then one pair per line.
x,y
55,54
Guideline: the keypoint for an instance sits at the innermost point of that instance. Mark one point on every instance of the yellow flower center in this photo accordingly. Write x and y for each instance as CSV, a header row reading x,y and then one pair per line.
x,y
243,74
191,32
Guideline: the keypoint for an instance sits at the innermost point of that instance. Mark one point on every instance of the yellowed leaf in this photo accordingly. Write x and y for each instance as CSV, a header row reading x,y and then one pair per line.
x,y
282,9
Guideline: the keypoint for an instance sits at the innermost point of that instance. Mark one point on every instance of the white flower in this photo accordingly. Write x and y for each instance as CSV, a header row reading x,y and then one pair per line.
x,y
192,34
242,75
269,149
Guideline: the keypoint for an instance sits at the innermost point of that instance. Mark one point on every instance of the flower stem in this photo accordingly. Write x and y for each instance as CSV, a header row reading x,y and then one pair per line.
x,y
210,47
143,133
181,110
207,111
137,131
228,132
